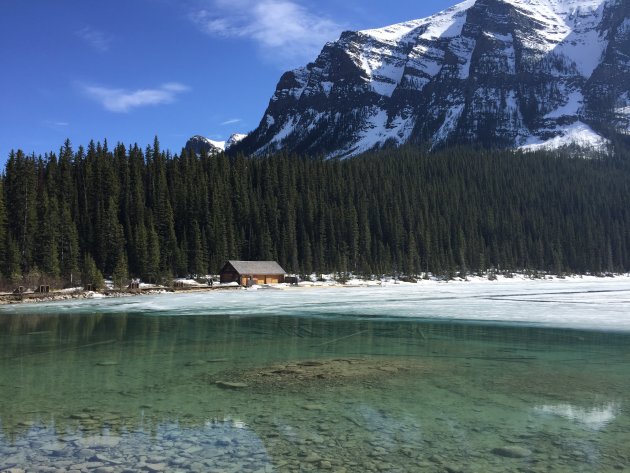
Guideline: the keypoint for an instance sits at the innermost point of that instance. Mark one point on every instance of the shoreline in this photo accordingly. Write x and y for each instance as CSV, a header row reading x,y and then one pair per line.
x,y
79,294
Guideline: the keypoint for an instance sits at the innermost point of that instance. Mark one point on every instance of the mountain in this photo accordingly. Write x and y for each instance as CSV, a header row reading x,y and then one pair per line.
x,y
498,73
234,139
202,145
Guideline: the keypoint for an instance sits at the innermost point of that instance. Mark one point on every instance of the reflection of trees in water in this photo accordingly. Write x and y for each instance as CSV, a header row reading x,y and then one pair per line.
x,y
75,328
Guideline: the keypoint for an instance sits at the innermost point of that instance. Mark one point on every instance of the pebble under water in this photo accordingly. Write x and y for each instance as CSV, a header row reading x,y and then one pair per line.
x,y
127,392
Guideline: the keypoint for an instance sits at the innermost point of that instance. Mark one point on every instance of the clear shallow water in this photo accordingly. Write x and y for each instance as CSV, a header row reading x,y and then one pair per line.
x,y
332,380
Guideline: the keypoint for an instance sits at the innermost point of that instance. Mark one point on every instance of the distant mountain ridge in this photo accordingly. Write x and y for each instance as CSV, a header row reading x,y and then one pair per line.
x,y
499,73
202,145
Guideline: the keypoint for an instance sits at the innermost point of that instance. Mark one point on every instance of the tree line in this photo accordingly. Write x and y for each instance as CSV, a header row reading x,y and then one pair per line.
x,y
73,216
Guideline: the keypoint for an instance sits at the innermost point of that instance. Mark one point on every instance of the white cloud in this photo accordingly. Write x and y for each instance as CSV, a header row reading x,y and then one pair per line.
x,y
123,100
286,31
95,38
232,121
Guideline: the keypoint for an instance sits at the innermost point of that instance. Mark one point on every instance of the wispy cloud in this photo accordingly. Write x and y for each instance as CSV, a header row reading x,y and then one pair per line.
x,y
95,38
287,32
55,124
232,121
123,100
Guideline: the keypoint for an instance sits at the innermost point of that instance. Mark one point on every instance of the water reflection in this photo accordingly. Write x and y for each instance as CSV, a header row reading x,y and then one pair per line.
x,y
595,418
117,391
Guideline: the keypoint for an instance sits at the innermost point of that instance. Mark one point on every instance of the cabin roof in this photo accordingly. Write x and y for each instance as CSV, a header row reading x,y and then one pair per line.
x,y
257,267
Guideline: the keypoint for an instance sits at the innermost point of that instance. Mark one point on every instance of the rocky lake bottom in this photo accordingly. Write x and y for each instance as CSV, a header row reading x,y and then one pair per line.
x,y
87,390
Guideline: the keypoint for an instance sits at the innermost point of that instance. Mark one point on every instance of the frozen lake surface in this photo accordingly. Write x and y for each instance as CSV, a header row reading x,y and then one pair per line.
x,y
479,376
582,303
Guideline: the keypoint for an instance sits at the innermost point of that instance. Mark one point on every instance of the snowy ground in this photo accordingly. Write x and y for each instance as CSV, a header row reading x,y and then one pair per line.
x,y
581,303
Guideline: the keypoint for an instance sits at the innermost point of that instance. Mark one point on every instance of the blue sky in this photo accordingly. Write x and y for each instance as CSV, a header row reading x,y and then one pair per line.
x,y
127,70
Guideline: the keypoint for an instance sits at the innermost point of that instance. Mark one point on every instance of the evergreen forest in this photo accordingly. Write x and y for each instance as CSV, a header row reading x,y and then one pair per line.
x,y
72,217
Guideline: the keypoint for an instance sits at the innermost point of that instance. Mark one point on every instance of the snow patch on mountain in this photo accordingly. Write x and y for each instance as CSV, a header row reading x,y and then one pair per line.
x,y
504,56
427,60
578,133
623,104
574,103
377,131
384,69
622,111
463,49
567,28
453,115
327,87
285,131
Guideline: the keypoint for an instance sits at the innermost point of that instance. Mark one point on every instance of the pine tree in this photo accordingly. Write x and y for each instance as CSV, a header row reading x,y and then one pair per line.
x,y
4,234
68,245
90,275
20,193
163,213
151,266
46,254
12,268
120,274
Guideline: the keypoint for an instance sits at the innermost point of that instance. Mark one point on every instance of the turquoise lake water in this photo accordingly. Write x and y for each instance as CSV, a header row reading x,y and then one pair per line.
x,y
310,381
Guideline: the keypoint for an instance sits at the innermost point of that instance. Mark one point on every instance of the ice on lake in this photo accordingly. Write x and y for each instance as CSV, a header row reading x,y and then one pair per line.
x,y
582,303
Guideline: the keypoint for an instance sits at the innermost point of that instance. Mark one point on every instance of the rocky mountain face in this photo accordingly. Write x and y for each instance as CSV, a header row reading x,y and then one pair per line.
x,y
499,73
202,145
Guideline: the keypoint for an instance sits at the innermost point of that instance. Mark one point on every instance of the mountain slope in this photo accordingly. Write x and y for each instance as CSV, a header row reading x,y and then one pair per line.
x,y
500,73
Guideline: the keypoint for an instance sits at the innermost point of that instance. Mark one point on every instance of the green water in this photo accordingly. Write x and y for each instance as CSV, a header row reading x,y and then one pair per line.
x,y
123,392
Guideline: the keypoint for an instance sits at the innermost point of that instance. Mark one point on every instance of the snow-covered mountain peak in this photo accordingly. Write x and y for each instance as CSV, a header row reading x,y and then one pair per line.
x,y
202,145
447,23
501,73
561,6
444,24
234,139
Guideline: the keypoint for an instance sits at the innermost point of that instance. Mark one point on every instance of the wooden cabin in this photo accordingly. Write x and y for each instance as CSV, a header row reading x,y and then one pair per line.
x,y
252,272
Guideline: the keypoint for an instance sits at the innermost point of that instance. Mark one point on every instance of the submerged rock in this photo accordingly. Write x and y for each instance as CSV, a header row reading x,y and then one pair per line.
x,y
311,363
325,372
223,442
98,441
54,448
512,451
104,469
453,469
156,467
230,385
102,458
312,457
314,407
